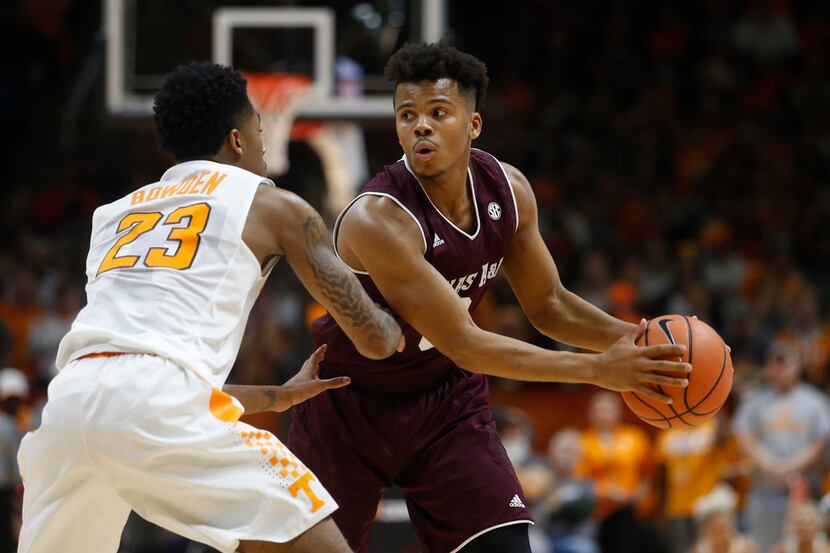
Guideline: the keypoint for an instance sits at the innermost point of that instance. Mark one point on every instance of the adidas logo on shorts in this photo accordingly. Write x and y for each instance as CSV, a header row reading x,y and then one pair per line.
x,y
516,502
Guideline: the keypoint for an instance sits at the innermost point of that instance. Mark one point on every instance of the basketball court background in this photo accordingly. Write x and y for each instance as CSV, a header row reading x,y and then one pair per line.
x,y
679,154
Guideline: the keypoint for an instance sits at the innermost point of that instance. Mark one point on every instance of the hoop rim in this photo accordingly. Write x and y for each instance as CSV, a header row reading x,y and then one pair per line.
x,y
271,92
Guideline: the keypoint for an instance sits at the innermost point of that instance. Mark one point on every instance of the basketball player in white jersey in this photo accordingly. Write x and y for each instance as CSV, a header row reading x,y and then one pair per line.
x,y
136,418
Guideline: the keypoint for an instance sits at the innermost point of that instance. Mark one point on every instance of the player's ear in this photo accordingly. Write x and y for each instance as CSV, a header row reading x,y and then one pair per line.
x,y
475,125
235,141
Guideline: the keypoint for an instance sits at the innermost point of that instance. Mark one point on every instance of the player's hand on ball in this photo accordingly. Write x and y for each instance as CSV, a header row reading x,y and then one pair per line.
x,y
307,383
627,367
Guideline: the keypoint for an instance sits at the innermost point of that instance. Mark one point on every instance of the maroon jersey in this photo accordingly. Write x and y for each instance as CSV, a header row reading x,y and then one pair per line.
x,y
468,261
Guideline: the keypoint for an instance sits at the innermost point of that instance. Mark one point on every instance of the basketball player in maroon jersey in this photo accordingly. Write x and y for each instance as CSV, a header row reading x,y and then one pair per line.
x,y
426,236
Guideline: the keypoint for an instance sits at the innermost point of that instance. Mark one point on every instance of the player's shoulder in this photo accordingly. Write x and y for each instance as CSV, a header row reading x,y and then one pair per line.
x,y
393,179
516,178
277,219
488,161
521,190
373,211
494,165
274,204
380,219
383,200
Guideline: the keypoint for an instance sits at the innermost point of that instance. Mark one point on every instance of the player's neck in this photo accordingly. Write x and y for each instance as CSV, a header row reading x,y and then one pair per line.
x,y
223,156
449,190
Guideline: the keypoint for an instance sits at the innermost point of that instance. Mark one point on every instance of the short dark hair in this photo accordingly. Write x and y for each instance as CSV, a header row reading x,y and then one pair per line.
x,y
197,106
430,62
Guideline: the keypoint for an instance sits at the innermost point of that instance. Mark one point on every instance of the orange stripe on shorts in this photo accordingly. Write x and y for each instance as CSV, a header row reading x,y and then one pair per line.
x,y
222,406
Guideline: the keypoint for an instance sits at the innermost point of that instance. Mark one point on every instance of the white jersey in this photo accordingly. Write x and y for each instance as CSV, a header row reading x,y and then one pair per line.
x,y
169,274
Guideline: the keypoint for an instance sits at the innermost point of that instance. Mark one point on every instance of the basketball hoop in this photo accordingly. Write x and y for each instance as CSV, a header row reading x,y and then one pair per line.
x,y
277,97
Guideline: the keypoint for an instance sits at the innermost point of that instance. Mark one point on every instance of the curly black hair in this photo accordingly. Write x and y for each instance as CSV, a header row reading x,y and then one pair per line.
x,y
197,106
430,62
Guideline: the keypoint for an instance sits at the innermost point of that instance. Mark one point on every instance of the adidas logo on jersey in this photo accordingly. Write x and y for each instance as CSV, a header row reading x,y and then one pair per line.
x,y
437,241
516,502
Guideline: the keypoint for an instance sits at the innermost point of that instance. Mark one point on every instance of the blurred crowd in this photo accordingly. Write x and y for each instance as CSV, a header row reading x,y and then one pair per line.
x,y
680,154
759,482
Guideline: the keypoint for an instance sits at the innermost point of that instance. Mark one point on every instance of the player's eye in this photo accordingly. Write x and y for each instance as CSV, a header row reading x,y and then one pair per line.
x,y
440,112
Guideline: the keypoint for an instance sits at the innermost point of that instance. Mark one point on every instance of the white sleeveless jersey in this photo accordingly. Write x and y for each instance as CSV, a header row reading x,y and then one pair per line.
x,y
169,274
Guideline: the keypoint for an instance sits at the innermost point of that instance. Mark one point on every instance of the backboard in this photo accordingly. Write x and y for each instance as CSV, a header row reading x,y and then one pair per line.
x,y
341,45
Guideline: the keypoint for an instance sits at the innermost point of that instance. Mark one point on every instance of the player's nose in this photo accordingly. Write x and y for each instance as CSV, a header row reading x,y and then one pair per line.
x,y
422,127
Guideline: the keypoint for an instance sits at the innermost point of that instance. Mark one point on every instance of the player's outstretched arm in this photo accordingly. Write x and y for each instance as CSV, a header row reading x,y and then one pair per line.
x,y
377,236
550,307
303,386
282,223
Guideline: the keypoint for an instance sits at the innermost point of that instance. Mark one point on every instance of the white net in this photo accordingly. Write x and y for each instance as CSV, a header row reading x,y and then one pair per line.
x,y
277,98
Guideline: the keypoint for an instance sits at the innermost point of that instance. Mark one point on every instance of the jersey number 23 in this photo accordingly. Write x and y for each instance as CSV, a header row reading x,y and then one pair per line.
x,y
137,223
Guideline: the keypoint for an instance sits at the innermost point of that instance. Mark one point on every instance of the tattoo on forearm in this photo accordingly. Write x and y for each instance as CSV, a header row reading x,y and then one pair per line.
x,y
341,287
271,399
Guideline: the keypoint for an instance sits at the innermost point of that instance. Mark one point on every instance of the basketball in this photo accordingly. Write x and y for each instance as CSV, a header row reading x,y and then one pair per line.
x,y
709,382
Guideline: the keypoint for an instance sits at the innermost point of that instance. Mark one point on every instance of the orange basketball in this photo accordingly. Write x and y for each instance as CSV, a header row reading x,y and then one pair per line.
x,y
709,382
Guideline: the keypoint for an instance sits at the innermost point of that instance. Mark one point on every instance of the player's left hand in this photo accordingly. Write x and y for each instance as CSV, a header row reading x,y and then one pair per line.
x,y
307,383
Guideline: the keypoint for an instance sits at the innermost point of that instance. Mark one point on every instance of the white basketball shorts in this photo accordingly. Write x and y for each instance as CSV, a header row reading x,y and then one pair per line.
x,y
139,432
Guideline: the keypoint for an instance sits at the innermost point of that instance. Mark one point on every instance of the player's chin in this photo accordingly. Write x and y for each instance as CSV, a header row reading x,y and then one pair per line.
x,y
428,174
427,170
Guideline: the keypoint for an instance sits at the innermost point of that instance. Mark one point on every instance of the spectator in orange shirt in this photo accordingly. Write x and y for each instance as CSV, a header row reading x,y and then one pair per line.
x,y
616,458
691,460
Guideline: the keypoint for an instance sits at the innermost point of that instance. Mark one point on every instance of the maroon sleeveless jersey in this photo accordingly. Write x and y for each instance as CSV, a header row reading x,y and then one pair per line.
x,y
468,261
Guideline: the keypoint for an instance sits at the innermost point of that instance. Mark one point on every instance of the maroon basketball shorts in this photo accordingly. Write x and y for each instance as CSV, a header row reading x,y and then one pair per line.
x,y
440,447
